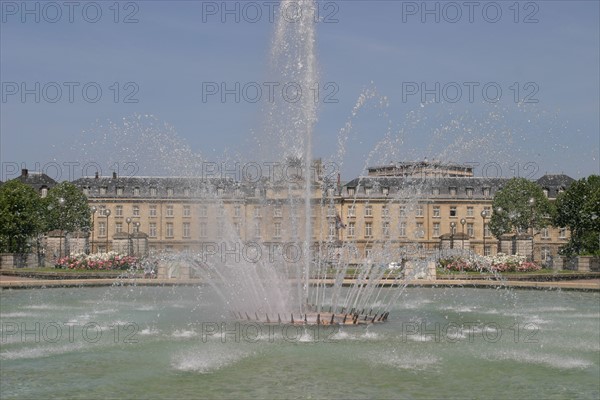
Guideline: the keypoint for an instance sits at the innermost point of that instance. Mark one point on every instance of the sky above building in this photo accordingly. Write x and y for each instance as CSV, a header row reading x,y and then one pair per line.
x,y
511,88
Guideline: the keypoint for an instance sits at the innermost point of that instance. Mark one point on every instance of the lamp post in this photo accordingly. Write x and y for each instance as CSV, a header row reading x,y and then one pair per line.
x,y
94,209
452,228
531,205
484,215
107,214
463,222
61,204
128,220
136,224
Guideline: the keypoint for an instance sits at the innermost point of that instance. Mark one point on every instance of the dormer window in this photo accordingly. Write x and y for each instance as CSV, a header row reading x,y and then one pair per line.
x,y
452,191
486,191
351,191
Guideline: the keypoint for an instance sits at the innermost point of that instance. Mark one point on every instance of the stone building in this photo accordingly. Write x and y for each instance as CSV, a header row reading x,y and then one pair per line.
x,y
424,206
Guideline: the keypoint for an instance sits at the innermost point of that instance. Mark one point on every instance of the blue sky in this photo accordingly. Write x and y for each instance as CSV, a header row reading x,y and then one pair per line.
x,y
363,47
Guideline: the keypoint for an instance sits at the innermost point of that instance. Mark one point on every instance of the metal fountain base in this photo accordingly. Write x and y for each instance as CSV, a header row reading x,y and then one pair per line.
x,y
316,318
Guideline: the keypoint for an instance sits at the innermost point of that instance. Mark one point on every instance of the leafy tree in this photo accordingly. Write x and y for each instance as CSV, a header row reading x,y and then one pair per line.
x,y
578,208
520,205
67,209
20,216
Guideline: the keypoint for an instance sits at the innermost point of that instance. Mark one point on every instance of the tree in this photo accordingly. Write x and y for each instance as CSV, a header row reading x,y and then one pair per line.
x,y
20,216
67,209
578,208
519,206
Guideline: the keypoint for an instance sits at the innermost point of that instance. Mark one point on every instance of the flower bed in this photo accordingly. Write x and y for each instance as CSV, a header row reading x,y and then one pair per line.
x,y
99,261
498,263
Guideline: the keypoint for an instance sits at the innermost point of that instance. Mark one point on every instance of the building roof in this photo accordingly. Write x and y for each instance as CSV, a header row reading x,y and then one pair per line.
x,y
555,183
36,180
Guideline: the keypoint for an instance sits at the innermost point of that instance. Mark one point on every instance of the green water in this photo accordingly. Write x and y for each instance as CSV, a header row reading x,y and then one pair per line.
x,y
167,343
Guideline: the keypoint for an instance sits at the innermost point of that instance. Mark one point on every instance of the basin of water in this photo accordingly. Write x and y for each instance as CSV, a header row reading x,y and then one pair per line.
x,y
162,342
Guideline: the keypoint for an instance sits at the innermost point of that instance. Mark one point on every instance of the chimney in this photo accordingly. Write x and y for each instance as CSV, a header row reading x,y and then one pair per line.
x,y
24,172
114,175
96,176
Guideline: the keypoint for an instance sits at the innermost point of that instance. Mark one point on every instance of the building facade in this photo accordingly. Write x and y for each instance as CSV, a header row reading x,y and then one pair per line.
x,y
396,208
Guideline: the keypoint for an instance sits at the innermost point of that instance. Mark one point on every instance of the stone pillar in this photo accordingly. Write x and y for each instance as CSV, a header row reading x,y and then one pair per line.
x,y
139,242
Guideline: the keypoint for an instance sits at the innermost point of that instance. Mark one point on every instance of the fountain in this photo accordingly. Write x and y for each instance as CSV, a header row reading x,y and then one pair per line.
x,y
278,326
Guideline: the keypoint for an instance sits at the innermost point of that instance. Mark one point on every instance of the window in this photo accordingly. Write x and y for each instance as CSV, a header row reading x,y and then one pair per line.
x,y
118,211
435,191
152,191
220,228
277,213
103,190
351,191
101,228
368,190
436,229
470,211
186,229
402,229
545,192
187,211
368,210
136,211
469,192
237,228
203,211
453,211
486,230
419,210
170,192
419,232
136,228
220,211
237,211
385,229
385,191
402,211
277,229
170,210
470,230
546,253
351,211
257,229
368,229
118,227
487,251
385,211
257,212
331,230
486,191
186,192
120,191
545,233
351,229
331,211
368,253
152,210
203,229
436,211
136,191
169,229
152,230
562,233
452,191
